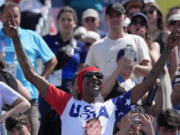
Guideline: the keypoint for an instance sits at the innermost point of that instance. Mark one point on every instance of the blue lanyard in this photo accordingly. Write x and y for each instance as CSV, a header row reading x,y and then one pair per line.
x,y
120,79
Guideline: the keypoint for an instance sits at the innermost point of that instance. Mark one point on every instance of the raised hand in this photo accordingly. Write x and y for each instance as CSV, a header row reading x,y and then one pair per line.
x,y
10,27
147,123
141,32
174,38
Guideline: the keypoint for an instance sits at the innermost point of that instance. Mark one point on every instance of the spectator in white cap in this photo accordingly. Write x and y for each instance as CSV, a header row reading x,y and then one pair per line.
x,y
89,38
90,20
173,20
172,11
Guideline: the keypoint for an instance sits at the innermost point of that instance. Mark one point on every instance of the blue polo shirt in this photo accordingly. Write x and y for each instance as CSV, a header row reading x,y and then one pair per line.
x,y
55,43
35,48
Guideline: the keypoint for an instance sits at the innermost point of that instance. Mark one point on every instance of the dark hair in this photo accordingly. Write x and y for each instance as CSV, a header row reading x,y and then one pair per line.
x,y
10,4
15,121
69,10
116,6
160,19
169,119
134,18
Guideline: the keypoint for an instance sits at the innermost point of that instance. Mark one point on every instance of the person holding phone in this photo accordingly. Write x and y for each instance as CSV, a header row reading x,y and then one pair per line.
x,y
121,79
75,113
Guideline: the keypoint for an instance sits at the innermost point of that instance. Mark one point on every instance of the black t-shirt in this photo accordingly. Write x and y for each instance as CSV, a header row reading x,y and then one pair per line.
x,y
117,90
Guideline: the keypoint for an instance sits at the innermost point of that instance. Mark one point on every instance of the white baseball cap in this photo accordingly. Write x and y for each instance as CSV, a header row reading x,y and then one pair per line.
x,y
90,13
174,17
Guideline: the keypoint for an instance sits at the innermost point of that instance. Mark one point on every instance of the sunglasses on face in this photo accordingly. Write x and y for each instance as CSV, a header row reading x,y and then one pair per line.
x,y
90,19
150,11
99,75
172,23
142,23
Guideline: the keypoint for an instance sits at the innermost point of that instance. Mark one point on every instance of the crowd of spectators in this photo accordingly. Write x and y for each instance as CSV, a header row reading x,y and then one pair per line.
x,y
123,79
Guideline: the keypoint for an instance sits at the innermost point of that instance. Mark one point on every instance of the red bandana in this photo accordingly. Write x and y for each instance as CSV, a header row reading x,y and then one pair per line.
x,y
80,77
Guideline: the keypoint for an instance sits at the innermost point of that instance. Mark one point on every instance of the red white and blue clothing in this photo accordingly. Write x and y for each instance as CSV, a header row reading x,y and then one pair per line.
x,y
75,113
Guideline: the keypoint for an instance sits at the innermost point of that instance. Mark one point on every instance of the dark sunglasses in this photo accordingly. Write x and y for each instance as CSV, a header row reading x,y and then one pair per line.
x,y
91,74
90,19
142,23
150,11
172,23
88,44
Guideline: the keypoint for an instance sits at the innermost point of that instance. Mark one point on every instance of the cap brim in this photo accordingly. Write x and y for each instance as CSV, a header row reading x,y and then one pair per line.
x,y
175,17
89,15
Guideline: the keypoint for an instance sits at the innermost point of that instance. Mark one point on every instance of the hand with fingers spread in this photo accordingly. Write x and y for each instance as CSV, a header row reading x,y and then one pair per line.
x,y
146,124
10,27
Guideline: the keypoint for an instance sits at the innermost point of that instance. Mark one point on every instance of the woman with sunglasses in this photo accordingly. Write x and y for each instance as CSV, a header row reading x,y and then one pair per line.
x,y
155,20
158,32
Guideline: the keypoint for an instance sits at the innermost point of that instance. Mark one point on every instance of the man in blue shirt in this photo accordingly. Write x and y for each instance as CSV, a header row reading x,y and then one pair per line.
x,y
35,47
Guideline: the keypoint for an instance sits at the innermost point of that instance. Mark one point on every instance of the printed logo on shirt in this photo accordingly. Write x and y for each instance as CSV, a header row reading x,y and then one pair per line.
x,y
88,112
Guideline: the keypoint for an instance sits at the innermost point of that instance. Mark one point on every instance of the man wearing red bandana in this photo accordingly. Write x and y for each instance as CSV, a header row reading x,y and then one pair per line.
x,y
74,113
